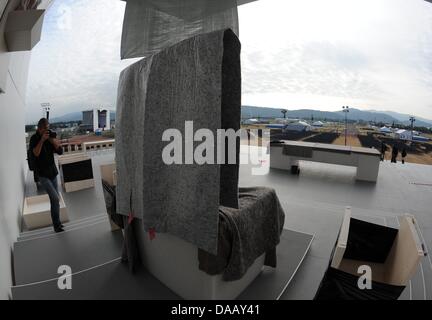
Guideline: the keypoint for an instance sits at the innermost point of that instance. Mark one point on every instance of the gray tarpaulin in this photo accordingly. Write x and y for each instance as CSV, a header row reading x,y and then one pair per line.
x,y
151,25
245,234
197,80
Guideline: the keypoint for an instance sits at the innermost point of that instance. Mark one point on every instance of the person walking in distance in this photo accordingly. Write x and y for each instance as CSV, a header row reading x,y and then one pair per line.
x,y
383,150
404,154
395,153
44,144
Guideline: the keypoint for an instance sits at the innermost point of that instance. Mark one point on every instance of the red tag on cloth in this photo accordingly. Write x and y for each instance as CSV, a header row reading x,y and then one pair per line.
x,y
130,217
152,234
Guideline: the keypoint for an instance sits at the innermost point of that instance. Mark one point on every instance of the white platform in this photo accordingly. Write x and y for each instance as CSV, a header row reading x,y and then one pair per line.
x,y
37,212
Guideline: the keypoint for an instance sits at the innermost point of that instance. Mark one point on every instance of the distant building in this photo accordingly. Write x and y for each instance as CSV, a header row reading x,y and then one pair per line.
x,y
385,130
251,121
298,126
96,120
403,134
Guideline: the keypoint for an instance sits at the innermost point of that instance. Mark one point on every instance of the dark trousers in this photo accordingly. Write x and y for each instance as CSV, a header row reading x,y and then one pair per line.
x,y
36,176
51,188
394,158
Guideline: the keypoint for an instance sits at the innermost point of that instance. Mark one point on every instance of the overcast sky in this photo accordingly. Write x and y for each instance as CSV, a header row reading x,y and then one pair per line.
x,y
368,54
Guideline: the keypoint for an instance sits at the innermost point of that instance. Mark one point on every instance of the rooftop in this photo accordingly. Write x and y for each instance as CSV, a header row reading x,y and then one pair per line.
x,y
314,202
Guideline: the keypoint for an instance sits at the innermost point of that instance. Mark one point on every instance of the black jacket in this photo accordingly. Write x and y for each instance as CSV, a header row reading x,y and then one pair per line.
x,y
44,164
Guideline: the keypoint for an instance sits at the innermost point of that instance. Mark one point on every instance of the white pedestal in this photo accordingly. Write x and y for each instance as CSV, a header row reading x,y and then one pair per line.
x,y
75,185
37,212
185,278
368,168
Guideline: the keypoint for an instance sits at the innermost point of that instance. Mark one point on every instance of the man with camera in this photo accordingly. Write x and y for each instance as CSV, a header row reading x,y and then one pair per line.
x,y
44,144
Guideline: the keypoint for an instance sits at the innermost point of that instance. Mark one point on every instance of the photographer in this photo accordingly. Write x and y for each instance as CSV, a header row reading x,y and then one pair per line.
x,y
44,144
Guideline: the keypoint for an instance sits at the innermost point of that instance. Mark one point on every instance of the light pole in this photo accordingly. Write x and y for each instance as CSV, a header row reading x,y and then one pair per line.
x,y
346,110
412,119
46,107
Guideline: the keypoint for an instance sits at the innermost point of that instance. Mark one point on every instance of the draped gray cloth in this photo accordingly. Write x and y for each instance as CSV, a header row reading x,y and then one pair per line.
x,y
245,234
152,25
199,80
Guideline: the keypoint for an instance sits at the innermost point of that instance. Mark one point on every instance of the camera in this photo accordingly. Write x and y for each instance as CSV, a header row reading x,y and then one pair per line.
x,y
52,134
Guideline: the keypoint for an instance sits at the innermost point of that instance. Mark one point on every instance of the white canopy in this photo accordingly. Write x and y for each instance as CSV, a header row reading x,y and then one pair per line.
x,y
298,126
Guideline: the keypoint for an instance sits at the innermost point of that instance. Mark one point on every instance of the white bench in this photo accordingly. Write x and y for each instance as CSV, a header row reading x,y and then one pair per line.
x,y
287,154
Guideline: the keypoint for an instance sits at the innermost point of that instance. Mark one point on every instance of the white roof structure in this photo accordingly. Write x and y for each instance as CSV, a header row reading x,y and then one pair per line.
x,y
250,121
386,130
403,134
303,123
298,126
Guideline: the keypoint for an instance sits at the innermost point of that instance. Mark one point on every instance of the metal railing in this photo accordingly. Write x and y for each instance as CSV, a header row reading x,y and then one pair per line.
x,y
70,148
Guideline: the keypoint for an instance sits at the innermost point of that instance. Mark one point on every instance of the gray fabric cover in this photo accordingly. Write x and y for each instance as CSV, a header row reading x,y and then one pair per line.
x,y
130,252
196,80
245,234
152,25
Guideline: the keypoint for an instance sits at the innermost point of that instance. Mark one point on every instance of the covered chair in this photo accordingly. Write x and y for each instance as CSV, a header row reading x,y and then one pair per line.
x,y
178,205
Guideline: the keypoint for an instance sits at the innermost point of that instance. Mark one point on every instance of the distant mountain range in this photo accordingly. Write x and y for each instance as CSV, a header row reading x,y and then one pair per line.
x,y
354,114
249,112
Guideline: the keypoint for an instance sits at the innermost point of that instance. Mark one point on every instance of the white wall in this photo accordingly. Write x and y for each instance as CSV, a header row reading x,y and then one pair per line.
x,y
12,163
12,156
